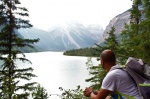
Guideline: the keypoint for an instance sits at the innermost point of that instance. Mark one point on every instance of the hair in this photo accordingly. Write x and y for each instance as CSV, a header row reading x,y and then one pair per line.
x,y
108,56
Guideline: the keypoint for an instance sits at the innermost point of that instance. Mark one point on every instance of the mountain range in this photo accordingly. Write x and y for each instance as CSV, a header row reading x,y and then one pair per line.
x,y
74,35
64,37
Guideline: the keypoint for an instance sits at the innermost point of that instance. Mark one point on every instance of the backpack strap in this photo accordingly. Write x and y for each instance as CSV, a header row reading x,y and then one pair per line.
x,y
144,85
125,95
117,67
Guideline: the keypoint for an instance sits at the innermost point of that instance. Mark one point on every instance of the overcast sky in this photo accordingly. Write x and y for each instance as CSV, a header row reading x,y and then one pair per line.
x,y
46,13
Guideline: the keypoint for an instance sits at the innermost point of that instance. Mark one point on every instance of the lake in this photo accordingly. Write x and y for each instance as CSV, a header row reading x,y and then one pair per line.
x,y
55,70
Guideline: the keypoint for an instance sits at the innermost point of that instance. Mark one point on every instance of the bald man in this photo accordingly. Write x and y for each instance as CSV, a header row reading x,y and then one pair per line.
x,y
116,80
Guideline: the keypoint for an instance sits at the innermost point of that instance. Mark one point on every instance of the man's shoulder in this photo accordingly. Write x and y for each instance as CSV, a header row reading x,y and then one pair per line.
x,y
117,71
112,74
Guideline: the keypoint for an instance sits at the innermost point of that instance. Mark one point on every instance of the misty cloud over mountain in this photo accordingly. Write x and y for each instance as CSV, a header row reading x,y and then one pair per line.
x,y
64,37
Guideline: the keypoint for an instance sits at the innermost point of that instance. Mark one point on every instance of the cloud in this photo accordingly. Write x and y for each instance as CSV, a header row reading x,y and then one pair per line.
x,y
44,13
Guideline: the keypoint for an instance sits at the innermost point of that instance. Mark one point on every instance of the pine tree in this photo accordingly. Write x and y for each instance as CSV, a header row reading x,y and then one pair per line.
x,y
144,36
136,36
111,42
130,34
97,72
10,43
40,93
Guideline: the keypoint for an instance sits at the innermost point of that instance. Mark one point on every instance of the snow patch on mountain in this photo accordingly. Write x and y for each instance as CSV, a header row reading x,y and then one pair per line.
x,y
71,39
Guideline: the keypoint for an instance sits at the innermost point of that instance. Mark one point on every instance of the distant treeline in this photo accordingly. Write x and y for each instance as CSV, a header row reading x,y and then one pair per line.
x,y
89,52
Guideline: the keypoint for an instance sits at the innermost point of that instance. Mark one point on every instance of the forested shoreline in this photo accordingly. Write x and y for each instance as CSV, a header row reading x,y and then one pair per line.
x,y
87,52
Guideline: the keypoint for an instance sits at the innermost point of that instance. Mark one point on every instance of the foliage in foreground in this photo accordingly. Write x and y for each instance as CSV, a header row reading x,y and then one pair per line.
x,y
97,73
72,93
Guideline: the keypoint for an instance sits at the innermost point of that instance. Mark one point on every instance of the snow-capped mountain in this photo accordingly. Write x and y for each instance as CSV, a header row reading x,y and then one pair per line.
x,y
65,37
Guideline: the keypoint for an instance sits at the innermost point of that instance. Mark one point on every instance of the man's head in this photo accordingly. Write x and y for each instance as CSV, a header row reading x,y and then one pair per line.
x,y
108,59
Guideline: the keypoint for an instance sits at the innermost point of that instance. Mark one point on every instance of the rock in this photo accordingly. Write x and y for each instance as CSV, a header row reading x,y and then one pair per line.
x,y
118,22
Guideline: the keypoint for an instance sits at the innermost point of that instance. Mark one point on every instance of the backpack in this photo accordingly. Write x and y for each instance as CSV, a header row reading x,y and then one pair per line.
x,y
140,72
